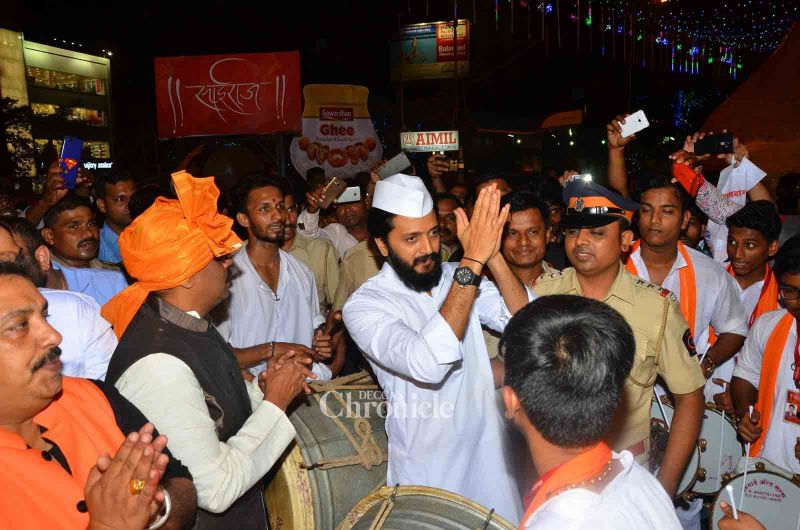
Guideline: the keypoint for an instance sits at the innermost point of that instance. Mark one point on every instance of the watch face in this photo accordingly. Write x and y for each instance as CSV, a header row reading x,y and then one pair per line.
x,y
464,275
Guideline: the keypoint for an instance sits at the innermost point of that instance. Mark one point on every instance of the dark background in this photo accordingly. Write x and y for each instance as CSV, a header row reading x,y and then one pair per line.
x,y
514,80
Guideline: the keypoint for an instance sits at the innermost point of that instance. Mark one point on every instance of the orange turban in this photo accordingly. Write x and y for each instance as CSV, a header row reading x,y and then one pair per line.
x,y
171,241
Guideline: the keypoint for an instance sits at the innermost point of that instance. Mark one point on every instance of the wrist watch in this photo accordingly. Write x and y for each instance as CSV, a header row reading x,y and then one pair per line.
x,y
464,277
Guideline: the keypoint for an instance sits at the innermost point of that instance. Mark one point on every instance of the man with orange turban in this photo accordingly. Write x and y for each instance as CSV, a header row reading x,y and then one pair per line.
x,y
172,363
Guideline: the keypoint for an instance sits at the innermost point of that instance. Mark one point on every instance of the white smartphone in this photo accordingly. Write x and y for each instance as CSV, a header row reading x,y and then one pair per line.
x,y
351,194
634,123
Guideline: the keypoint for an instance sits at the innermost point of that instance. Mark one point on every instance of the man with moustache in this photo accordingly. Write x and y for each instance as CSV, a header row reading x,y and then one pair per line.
x,y
273,306
318,254
446,205
597,233
418,323
99,284
57,434
71,232
174,366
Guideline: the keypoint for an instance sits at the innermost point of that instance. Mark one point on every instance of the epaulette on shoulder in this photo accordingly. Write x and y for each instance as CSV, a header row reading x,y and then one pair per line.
x,y
664,293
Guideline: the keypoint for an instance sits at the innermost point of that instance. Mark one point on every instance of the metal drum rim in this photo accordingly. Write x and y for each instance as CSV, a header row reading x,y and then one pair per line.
x,y
423,491
734,477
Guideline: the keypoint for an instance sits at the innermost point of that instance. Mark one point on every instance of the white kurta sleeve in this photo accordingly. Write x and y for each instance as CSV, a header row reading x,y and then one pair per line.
x,y
491,307
99,341
748,364
728,315
426,356
166,391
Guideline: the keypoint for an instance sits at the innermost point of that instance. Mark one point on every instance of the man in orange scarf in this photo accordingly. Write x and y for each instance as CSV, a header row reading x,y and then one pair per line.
x,y
173,364
57,434
566,362
753,234
767,374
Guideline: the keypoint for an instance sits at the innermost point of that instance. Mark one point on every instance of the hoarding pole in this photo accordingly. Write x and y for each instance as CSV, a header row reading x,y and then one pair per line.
x,y
455,63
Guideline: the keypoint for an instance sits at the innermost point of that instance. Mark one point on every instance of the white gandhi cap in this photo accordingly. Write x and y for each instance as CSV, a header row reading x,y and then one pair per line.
x,y
404,195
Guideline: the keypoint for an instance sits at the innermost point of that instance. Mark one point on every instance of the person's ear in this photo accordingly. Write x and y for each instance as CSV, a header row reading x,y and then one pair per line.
x,y
101,205
382,248
42,257
243,220
47,235
627,239
687,216
511,401
772,249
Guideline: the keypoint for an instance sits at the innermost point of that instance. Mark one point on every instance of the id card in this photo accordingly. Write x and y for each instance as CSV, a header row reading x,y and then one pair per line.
x,y
791,409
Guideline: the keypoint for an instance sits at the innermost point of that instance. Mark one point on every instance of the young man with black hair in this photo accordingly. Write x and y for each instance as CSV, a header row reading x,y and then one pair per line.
x,y
753,234
566,362
766,376
709,296
273,305
418,323
597,234
113,193
693,236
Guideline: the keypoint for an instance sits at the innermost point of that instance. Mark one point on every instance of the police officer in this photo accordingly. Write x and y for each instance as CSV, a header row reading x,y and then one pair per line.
x,y
597,233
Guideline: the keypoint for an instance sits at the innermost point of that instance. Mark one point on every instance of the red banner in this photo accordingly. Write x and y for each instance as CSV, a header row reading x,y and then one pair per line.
x,y
247,93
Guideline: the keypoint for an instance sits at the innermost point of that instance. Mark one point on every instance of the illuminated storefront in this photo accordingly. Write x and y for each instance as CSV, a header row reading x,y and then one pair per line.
x,y
68,91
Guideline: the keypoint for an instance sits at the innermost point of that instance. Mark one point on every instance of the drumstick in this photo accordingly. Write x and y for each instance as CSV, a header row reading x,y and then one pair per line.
x,y
721,445
729,489
661,407
746,460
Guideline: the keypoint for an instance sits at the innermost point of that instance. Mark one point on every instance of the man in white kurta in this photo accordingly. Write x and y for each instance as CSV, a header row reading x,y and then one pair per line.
x,y
253,314
443,424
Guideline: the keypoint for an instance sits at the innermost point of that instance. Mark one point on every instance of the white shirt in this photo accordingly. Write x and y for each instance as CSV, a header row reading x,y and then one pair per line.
x,y
734,183
166,391
749,296
87,340
334,232
444,425
718,305
782,435
633,500
251,315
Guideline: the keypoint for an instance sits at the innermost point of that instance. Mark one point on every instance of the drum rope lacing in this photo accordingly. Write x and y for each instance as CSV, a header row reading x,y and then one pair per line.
x,y
368,453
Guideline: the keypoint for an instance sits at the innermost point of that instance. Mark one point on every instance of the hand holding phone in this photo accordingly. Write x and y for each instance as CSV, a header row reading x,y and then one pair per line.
x,y
70,160
333,188
714,144
634,123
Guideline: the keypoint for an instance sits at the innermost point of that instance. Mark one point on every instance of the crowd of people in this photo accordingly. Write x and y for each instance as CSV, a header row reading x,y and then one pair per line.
x,y
149,361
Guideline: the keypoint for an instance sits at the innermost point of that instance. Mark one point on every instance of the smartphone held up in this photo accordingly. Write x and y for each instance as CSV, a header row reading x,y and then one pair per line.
x,y
70,160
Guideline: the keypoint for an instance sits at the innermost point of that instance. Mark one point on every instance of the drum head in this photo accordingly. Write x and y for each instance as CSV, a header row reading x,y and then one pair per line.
x,y
771,498
720,451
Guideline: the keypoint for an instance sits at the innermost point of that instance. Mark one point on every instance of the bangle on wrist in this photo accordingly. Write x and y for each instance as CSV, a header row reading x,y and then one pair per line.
x,y
620,148
167,509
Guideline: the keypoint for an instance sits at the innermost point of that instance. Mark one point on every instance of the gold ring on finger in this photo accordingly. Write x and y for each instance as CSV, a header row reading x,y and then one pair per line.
x,y
136,486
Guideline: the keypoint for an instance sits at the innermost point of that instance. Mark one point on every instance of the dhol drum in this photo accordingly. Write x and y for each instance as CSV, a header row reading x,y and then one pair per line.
x,y
659,436
771,495
720,451
417,507
338,456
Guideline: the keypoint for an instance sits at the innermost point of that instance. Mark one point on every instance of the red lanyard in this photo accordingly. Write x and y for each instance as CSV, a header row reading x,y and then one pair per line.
x,y
526,501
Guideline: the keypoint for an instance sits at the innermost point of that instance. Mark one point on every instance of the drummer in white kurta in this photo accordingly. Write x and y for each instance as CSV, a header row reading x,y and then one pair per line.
x,y
419,324
567,358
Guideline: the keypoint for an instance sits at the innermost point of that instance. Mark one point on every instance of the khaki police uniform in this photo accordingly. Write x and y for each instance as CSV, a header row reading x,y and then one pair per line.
x,y
320,256
358,265
663,348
